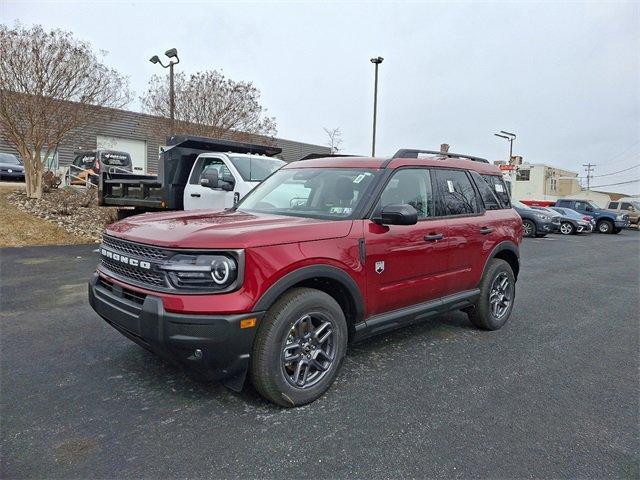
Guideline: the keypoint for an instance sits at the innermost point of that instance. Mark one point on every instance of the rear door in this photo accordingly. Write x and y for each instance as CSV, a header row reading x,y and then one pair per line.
x,y
469,226
406,264
197,197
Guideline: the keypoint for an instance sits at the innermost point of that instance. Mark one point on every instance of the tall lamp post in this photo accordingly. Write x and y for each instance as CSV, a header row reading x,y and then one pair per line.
x,y
510,138
172,54
376,61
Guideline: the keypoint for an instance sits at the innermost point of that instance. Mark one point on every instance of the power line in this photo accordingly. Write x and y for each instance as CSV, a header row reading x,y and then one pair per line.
x,y
613,173
619,183
623,152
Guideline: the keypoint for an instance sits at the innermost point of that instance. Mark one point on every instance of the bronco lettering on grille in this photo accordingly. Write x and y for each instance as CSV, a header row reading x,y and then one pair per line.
x,y
124,259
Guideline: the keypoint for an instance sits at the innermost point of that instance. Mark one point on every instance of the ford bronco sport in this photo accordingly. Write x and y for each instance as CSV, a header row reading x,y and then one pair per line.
x,y
323,252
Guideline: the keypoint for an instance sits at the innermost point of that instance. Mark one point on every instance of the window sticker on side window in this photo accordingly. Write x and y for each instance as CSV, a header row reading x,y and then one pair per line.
x,y
341,211
359,178
450,186
499,188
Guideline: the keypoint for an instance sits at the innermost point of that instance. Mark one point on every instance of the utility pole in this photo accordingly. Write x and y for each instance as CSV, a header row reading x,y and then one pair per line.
x,y
376,61
589,169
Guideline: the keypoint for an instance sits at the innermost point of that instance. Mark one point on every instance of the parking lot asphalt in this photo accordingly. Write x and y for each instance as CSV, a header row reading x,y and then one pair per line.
x,y
553,394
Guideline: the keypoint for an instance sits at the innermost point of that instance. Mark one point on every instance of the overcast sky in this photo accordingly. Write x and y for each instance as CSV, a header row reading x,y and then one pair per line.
x,y
564,77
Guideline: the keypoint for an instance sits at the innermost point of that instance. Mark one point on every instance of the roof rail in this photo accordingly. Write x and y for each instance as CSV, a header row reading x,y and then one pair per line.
x,y
414,153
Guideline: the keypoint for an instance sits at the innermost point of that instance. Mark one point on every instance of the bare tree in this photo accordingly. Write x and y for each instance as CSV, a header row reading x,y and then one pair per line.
x,y
207,103
334,141
50,86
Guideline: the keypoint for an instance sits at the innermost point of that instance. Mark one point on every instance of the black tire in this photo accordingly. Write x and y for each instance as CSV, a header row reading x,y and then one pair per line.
x,y
605,226
567,228
482,315
269,371
529,228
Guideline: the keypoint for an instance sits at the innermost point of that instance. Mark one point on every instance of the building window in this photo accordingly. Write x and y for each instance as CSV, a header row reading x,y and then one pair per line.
x,y
522,175
554,185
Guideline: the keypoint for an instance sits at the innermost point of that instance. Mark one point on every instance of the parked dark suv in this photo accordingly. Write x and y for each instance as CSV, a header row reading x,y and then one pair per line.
x,y
322,253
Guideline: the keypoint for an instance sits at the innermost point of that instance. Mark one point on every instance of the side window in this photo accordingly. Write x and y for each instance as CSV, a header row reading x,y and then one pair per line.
x,y
614,205
456,192
207,163
625,206
412,186
486,193
496,183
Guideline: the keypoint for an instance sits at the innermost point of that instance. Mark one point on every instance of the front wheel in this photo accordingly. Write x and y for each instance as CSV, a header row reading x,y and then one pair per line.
x,y
529,228
299,347
497,294
605,226
567,228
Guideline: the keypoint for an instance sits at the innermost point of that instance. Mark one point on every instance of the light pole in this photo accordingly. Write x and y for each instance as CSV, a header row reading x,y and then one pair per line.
x,y
172,54
376,61
510,137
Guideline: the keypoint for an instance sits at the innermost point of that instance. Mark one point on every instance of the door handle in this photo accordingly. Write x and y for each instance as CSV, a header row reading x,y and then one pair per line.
x,y
195,195
486,230
432,237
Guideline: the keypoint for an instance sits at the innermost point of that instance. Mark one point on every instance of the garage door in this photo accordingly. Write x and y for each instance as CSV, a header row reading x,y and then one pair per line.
x,y
136,148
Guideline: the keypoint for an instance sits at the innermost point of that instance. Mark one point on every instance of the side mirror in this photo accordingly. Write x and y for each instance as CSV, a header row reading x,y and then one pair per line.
x,y
397,214
589,209
631,209
209,178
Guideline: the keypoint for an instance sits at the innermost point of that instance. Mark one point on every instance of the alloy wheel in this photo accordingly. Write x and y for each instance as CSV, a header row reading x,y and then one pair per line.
x,y
500,295
603,227
528,228
566,229
309,350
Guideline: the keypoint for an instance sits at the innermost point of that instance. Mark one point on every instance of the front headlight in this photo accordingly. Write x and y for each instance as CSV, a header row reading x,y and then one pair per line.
x,y
201,272
619,218
542,217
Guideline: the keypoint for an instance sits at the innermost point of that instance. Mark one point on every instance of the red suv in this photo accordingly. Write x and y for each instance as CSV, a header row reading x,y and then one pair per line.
x,y
323,252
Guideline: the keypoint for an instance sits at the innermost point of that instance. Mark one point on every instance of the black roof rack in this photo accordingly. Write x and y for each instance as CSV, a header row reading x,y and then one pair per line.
x,y
414,153
313,156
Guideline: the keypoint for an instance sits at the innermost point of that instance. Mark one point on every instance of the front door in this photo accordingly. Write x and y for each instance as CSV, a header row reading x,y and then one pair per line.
x,y
406,264
198,197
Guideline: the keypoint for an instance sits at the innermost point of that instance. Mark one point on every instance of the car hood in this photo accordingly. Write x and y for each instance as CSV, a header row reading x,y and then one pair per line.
x,y
227,229
12,166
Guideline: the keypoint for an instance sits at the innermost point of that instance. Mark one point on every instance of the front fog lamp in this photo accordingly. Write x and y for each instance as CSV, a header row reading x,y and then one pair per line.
x,y
201,272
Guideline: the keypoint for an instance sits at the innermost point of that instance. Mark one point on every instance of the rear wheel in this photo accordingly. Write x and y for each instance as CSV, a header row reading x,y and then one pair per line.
x,y
497,294
529,228
299,347
605,226
566,228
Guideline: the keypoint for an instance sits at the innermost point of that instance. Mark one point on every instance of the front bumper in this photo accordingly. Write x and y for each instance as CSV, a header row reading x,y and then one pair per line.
x,y
621,223
225,346
585,227
12,175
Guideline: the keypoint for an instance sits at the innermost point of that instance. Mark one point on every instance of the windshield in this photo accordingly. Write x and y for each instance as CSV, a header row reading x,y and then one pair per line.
x,y
310,192
518,204
255,168
592,205
116,159
85,160
10,159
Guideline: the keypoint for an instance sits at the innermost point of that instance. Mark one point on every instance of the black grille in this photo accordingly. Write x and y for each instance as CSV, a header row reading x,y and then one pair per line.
x,y
141,276
131,295
136,249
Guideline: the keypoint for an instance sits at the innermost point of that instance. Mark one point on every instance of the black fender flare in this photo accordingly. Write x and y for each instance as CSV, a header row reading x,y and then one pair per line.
x,y
269,297
505,245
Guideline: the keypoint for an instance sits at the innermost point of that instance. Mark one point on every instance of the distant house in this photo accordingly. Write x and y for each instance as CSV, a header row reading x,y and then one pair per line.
x,y
538,181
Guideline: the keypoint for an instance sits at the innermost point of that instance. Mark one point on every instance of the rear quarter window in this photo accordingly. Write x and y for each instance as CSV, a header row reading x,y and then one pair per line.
x,y
497,185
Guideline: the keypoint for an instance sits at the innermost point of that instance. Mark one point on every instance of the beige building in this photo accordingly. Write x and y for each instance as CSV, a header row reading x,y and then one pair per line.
x,y
539,181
